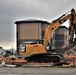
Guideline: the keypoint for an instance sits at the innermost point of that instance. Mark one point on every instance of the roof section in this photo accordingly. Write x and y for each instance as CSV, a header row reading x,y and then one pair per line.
x,y
63,27
31,21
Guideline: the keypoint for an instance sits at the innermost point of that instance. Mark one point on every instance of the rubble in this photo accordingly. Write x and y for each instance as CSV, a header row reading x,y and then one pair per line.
x,y
10,61
13,61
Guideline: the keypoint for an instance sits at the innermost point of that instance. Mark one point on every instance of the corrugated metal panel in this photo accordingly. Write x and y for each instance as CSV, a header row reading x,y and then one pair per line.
x,y
59,37
59,50
62,30
59,43
29,32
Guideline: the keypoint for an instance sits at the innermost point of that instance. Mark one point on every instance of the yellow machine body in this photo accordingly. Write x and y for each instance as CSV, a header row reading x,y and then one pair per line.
x,y
33,49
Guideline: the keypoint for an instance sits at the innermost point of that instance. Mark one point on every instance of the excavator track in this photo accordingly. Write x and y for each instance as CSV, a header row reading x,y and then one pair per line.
x,y
44,57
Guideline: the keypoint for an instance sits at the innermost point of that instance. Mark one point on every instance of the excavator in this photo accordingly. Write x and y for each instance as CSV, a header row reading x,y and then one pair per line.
x,y
38,53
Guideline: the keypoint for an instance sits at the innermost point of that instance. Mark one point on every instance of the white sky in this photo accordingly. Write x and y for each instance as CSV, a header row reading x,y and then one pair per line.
x,y
14,10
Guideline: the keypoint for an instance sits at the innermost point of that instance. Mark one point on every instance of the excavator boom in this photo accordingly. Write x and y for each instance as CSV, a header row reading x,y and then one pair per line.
x,y
55,24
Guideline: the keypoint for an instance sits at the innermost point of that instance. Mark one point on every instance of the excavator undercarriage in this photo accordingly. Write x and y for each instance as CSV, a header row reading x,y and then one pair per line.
x,y
44,58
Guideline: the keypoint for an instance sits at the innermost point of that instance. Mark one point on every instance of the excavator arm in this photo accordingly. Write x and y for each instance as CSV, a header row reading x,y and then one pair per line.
x,y
72,27
55,24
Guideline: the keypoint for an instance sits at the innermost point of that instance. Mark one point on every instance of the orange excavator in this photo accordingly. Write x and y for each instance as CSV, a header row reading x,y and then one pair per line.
x,y
37,52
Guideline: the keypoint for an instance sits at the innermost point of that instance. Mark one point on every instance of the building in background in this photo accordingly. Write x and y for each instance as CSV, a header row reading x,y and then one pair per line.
x,y
33,30
30,30
61,38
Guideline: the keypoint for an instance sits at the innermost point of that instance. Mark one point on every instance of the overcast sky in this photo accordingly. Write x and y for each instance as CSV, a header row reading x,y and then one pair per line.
x,y
15,10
